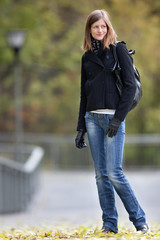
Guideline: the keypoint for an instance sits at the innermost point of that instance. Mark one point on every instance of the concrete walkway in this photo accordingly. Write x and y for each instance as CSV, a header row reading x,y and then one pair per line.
x,y
71,197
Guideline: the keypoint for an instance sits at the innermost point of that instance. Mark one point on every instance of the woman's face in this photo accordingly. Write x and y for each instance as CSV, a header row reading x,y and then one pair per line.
x,y
99,29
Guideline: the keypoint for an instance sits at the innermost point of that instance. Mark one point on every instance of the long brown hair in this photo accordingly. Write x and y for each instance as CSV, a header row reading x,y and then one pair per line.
x,y
111,35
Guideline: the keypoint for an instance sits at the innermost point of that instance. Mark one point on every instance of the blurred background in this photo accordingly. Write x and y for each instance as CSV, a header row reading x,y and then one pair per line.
x,y
40,93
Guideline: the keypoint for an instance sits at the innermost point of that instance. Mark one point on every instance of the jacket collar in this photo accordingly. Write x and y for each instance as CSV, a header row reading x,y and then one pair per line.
x,y
94,58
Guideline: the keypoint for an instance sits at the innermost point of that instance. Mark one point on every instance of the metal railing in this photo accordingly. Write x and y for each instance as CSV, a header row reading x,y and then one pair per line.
x,y
18,180
61,153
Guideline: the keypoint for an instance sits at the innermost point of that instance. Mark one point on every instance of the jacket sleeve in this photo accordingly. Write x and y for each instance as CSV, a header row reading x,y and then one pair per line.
x,y
83,100
127,75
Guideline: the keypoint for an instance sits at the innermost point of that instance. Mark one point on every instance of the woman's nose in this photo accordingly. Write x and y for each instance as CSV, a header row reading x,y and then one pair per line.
x,y
99,29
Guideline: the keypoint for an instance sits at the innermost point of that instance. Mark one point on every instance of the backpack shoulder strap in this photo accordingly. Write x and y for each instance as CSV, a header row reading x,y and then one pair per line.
x,y
116,65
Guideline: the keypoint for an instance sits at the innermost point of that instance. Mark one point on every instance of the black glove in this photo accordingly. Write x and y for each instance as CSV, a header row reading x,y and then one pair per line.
x,y
79,141
113,127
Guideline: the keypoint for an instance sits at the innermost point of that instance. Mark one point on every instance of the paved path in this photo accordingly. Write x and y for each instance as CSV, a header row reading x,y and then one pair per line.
x,y
71,197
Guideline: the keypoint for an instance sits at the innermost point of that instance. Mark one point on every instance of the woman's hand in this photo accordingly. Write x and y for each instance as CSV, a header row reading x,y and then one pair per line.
x,y
113,127
79,141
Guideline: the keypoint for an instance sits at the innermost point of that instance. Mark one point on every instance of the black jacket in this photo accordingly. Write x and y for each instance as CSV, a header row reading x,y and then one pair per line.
x,y
98,88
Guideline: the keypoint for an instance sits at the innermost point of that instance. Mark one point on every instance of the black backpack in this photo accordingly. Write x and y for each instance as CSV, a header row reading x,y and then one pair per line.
x,y
119,83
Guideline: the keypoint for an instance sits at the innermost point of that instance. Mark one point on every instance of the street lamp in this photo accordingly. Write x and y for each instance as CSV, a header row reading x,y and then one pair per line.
x,y
16,40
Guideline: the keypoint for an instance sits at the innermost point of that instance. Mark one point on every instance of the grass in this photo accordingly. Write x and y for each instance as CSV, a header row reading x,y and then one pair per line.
x,y
64,232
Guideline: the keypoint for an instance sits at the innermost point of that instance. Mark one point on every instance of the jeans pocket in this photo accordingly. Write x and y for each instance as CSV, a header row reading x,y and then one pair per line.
x,y
110,117
88,115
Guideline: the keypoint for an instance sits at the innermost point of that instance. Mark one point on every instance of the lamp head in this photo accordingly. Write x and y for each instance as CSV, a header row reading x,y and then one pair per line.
x,y
16,39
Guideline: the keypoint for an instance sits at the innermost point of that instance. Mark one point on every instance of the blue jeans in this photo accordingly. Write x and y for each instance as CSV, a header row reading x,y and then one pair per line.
x,y
107,154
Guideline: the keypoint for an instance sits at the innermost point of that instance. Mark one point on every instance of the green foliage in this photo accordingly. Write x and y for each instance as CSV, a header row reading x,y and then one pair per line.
x,y
51,60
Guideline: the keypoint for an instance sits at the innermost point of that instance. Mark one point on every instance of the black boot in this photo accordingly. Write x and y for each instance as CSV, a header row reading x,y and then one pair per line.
x,y
143,228
107,230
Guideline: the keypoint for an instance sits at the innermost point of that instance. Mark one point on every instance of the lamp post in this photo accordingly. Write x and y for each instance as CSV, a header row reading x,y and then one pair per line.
x,y
16,40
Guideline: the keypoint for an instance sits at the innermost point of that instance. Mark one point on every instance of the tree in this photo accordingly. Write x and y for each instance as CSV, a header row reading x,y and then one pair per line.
x,y
51,60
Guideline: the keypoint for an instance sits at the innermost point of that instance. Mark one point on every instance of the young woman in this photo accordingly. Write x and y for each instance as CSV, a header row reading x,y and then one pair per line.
x,y
102,115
